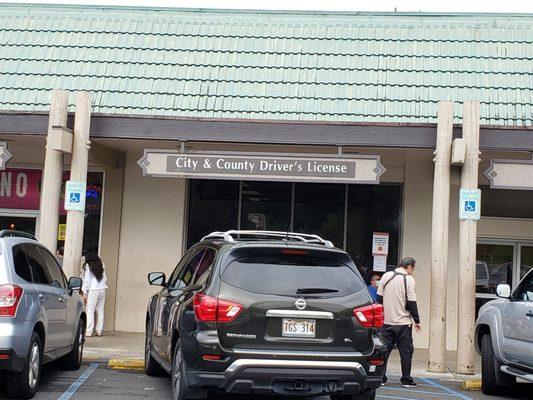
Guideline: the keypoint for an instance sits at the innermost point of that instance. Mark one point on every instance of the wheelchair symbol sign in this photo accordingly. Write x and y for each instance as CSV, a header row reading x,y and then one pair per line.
x,y
75,197
470,206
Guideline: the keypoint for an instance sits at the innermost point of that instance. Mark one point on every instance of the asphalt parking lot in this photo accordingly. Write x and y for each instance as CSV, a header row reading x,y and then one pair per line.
x,y
94,380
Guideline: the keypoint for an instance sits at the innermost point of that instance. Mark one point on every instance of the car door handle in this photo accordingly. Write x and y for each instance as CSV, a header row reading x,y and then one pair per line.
x,y
529,314
42,297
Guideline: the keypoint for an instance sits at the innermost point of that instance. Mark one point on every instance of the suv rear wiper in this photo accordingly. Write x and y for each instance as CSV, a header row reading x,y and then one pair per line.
x,y
315,290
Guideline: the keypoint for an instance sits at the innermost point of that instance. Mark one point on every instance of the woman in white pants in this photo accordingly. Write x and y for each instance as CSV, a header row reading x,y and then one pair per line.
x,y
94,286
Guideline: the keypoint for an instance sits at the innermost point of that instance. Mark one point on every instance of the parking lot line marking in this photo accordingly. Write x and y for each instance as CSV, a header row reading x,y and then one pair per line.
x,y
383,396
421,391
76,385
446,389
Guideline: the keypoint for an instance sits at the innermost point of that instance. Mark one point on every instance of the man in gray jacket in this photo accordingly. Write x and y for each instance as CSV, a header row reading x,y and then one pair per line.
x,y
397,294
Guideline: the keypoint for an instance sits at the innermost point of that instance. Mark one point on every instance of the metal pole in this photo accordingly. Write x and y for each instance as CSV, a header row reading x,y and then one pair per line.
x,y
78,172
52,174
439,238
467,245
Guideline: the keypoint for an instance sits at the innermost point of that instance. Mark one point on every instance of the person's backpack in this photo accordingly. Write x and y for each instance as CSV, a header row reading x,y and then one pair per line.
x,y
404,282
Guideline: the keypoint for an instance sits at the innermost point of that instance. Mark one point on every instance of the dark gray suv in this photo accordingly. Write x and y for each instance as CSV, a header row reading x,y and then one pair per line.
x,y
42,316
257,312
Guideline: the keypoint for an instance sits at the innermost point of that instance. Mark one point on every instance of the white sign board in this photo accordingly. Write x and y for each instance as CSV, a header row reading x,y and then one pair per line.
x,y
470,204
510,174
380,244
380,263
75,196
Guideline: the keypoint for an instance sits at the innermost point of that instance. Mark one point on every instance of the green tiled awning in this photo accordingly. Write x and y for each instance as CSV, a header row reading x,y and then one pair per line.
x,y
268,65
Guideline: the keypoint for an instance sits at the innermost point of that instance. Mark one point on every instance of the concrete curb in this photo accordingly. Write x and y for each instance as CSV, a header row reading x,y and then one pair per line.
x,y
126,364
474,384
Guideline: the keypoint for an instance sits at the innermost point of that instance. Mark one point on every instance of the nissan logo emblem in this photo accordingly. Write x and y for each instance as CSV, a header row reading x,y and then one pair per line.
x,y
300,304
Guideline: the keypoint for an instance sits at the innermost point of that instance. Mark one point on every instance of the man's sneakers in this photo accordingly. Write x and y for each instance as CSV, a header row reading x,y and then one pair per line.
x,y
408,383
383,380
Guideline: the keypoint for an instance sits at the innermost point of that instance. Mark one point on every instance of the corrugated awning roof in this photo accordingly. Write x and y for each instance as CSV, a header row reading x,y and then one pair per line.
x,y
268,65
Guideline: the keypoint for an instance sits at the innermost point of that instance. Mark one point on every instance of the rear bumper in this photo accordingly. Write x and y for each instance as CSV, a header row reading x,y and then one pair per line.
x,y
287,378
14,343
11,362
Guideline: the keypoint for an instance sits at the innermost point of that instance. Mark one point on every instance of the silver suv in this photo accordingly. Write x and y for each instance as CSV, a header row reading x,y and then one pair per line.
x,y
42,318
504,337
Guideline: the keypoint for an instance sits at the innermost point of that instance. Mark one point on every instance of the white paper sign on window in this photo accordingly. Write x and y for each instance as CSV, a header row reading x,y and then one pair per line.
x,y
380,263
380,244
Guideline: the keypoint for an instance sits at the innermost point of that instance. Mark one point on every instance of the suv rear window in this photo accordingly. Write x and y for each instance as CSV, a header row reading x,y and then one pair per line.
x,y
283,275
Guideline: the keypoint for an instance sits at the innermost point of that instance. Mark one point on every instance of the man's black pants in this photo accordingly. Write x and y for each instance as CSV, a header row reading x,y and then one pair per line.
x,y
402,337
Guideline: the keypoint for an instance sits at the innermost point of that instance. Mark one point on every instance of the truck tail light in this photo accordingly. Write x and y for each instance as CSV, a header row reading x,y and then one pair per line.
x,y
10,296
211,309
370,316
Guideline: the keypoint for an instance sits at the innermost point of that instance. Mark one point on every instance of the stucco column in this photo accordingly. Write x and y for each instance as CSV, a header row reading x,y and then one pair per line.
x,y
439,238
78,173
467,245
52,174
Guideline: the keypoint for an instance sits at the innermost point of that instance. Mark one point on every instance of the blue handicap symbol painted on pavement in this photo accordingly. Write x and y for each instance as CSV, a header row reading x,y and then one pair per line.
x,y
75,197
470,206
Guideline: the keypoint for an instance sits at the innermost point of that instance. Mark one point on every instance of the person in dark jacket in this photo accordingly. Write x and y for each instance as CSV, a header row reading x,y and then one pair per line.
x,y
397,294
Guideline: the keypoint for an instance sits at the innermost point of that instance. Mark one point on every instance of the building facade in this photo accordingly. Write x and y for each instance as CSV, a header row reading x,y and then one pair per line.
x,y
269,86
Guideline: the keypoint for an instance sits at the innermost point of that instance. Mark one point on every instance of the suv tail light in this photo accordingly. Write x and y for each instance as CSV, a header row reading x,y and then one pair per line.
x,y
370,316
10,296
211,309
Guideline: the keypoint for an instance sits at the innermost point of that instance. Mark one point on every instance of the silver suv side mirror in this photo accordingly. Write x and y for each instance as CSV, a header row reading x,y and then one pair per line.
x,y
503,291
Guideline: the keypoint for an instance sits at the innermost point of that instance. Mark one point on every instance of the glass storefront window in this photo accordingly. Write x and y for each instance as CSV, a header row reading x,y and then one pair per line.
x,y
266,206
319,209
372,208
314,208
526,260
494,266
213,206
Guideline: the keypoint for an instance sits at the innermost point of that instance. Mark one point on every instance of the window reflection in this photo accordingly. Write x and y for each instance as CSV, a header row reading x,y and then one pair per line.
x,y
266,206
526,260
319,209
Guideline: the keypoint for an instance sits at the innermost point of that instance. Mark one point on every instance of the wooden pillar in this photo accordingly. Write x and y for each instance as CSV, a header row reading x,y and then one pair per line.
x,y
78,173
52,174
439,238
467,245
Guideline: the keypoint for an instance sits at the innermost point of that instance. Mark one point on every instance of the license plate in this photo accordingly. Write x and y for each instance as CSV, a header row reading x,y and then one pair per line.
x,y
298,327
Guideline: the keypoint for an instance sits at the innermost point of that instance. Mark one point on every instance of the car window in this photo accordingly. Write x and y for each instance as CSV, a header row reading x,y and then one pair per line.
x,y
38,270
203,271
54,271
22,267
525,291
186,275
174,277
283,275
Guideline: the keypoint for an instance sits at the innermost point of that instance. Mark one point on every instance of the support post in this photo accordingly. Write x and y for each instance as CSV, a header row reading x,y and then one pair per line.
x,y
439,238
52,174
467,245
78,173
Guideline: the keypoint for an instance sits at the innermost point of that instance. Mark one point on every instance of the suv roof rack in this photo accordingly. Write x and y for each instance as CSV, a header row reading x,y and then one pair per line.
x,y
12,233
228,236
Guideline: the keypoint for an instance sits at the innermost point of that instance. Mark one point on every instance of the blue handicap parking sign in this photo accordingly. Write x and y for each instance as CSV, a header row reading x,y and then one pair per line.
x,y
470,206
75,197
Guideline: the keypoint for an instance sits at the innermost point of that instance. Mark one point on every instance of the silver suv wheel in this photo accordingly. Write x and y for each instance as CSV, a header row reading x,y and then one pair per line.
x,y
34,367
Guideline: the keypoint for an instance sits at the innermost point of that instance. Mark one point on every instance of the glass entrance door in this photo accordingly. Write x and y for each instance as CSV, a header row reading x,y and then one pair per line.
x,y
500,262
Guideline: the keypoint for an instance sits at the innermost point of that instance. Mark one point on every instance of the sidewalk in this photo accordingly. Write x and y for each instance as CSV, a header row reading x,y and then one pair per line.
x,y
114,345
419,368
128,345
